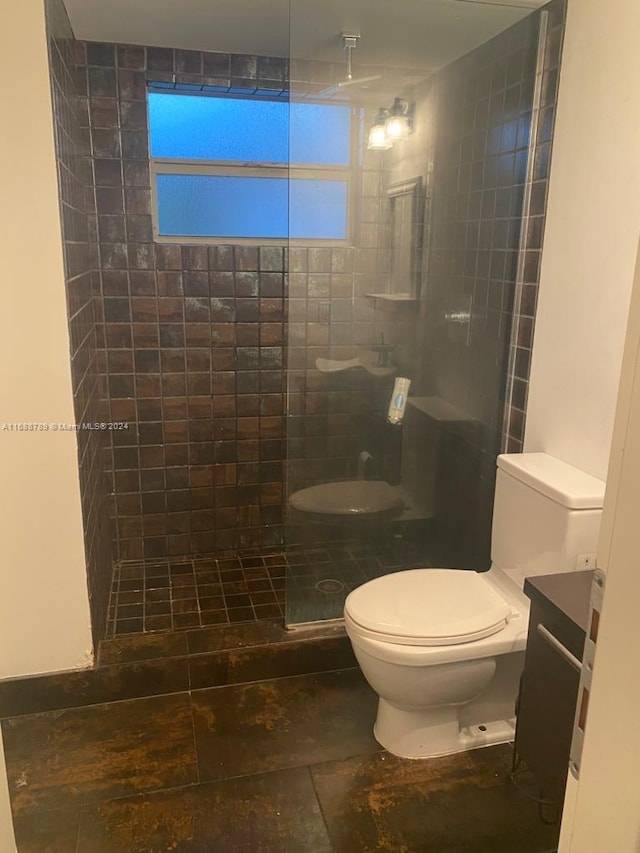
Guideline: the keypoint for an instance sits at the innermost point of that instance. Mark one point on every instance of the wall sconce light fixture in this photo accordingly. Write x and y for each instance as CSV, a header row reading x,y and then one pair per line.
x,y
398,125
378,139
391,125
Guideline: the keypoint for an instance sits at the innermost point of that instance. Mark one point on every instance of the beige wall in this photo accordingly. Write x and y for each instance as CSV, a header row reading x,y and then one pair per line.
x,y
44,612
593,223
589,257
602,810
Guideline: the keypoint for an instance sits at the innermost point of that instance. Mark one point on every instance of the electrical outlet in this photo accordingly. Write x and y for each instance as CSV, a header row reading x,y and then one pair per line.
x,y
584,562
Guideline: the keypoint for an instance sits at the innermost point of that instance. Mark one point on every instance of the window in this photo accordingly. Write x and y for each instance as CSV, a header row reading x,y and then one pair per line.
x,y
234,168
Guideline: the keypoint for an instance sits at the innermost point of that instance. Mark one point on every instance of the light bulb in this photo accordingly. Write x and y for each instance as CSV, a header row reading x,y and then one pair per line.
x,y
398,125
378,139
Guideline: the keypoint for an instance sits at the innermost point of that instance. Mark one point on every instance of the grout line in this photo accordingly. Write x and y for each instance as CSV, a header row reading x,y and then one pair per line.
x,y
58,711
196,752
176,788
319,802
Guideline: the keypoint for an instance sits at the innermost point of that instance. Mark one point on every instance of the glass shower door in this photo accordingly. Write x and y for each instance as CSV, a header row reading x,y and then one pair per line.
x,y
414,280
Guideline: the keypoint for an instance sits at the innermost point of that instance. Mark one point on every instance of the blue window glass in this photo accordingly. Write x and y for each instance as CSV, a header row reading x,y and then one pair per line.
x,y
275,208
320,133
225,200
206,205
317,209
189,127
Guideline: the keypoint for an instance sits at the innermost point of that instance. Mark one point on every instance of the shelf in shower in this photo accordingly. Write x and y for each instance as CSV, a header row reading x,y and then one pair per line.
x,y
392,298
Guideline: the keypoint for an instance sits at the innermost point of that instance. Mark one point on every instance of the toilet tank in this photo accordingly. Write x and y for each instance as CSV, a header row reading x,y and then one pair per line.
x,y
546,514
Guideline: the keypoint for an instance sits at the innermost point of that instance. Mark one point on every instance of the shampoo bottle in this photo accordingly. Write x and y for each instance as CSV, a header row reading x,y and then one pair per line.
x,y
398,400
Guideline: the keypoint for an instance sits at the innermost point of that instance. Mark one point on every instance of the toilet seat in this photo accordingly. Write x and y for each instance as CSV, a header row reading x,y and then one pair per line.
x,y
427,607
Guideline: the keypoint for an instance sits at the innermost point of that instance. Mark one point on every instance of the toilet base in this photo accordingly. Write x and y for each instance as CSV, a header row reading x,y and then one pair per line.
x,y
431,732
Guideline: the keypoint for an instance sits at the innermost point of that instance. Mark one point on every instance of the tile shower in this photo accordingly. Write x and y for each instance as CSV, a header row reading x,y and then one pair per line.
x,y
207,352
77,207
193,337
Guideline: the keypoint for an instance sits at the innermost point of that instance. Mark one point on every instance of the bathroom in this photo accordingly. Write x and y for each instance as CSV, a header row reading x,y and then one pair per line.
x,y
227,362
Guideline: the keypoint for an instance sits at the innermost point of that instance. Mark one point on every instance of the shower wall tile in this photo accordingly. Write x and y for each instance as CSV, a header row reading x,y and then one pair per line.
x,y
194,336
333,418
481,264
198,338
536,189
483,108
78,215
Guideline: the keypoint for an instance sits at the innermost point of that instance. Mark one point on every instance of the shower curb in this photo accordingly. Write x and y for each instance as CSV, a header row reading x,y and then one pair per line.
x,y
152,665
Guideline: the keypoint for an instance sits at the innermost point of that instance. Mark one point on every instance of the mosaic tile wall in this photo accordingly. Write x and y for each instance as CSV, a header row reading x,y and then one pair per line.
x,y
470,344
199,342
195,336
83,299
336,419
480,108
535,204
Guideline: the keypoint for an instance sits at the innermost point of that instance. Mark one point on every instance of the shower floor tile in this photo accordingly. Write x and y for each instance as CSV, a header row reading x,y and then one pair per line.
x,y
181,594
319,580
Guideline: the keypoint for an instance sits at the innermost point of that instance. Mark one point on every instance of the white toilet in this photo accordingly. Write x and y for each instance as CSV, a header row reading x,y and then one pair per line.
x,y
444,648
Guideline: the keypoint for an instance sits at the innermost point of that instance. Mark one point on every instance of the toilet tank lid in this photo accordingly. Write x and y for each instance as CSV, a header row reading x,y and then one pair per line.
x,y
564,484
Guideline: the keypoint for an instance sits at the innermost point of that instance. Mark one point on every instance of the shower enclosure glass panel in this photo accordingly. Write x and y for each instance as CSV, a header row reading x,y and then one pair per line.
x,y
420,286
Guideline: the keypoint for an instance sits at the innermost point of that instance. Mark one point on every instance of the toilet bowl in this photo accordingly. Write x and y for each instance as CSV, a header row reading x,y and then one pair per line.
x,y
353,499
441,648
414,496
444,648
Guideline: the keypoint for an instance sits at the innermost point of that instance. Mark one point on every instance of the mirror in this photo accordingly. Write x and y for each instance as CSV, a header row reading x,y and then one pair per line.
x,y
407,210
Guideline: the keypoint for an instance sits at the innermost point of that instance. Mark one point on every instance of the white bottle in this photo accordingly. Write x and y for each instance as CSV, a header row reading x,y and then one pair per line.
x,y
398,400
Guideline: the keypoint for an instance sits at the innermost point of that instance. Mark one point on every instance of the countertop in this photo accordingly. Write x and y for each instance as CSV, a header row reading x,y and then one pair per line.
x,y
566,593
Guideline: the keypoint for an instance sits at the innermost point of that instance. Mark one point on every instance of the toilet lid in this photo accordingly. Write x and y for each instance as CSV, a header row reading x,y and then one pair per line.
x,y
350,497
430,607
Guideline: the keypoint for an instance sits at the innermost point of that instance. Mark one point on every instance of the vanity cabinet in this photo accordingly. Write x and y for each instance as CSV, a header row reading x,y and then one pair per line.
x,y
549,686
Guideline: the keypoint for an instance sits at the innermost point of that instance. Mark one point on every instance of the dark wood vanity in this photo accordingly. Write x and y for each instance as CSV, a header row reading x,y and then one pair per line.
x,y
549,688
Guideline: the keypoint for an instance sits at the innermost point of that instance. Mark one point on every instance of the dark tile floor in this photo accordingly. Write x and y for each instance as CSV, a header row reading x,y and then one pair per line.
x,y
319,579
194,593
281,766
310,583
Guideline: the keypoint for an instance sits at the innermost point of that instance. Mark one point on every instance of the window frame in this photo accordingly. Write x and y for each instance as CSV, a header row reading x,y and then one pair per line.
x,y
252,169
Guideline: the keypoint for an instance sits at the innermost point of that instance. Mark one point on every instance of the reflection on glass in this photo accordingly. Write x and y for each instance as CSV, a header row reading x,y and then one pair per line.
x,y
318,209
373,309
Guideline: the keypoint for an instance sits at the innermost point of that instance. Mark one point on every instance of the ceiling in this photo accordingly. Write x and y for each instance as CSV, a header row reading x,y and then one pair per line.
x,y
425,34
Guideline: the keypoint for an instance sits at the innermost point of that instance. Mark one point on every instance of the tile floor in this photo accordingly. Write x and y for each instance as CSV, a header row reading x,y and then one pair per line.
x,y
164,595
319,579
193,593
287,765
